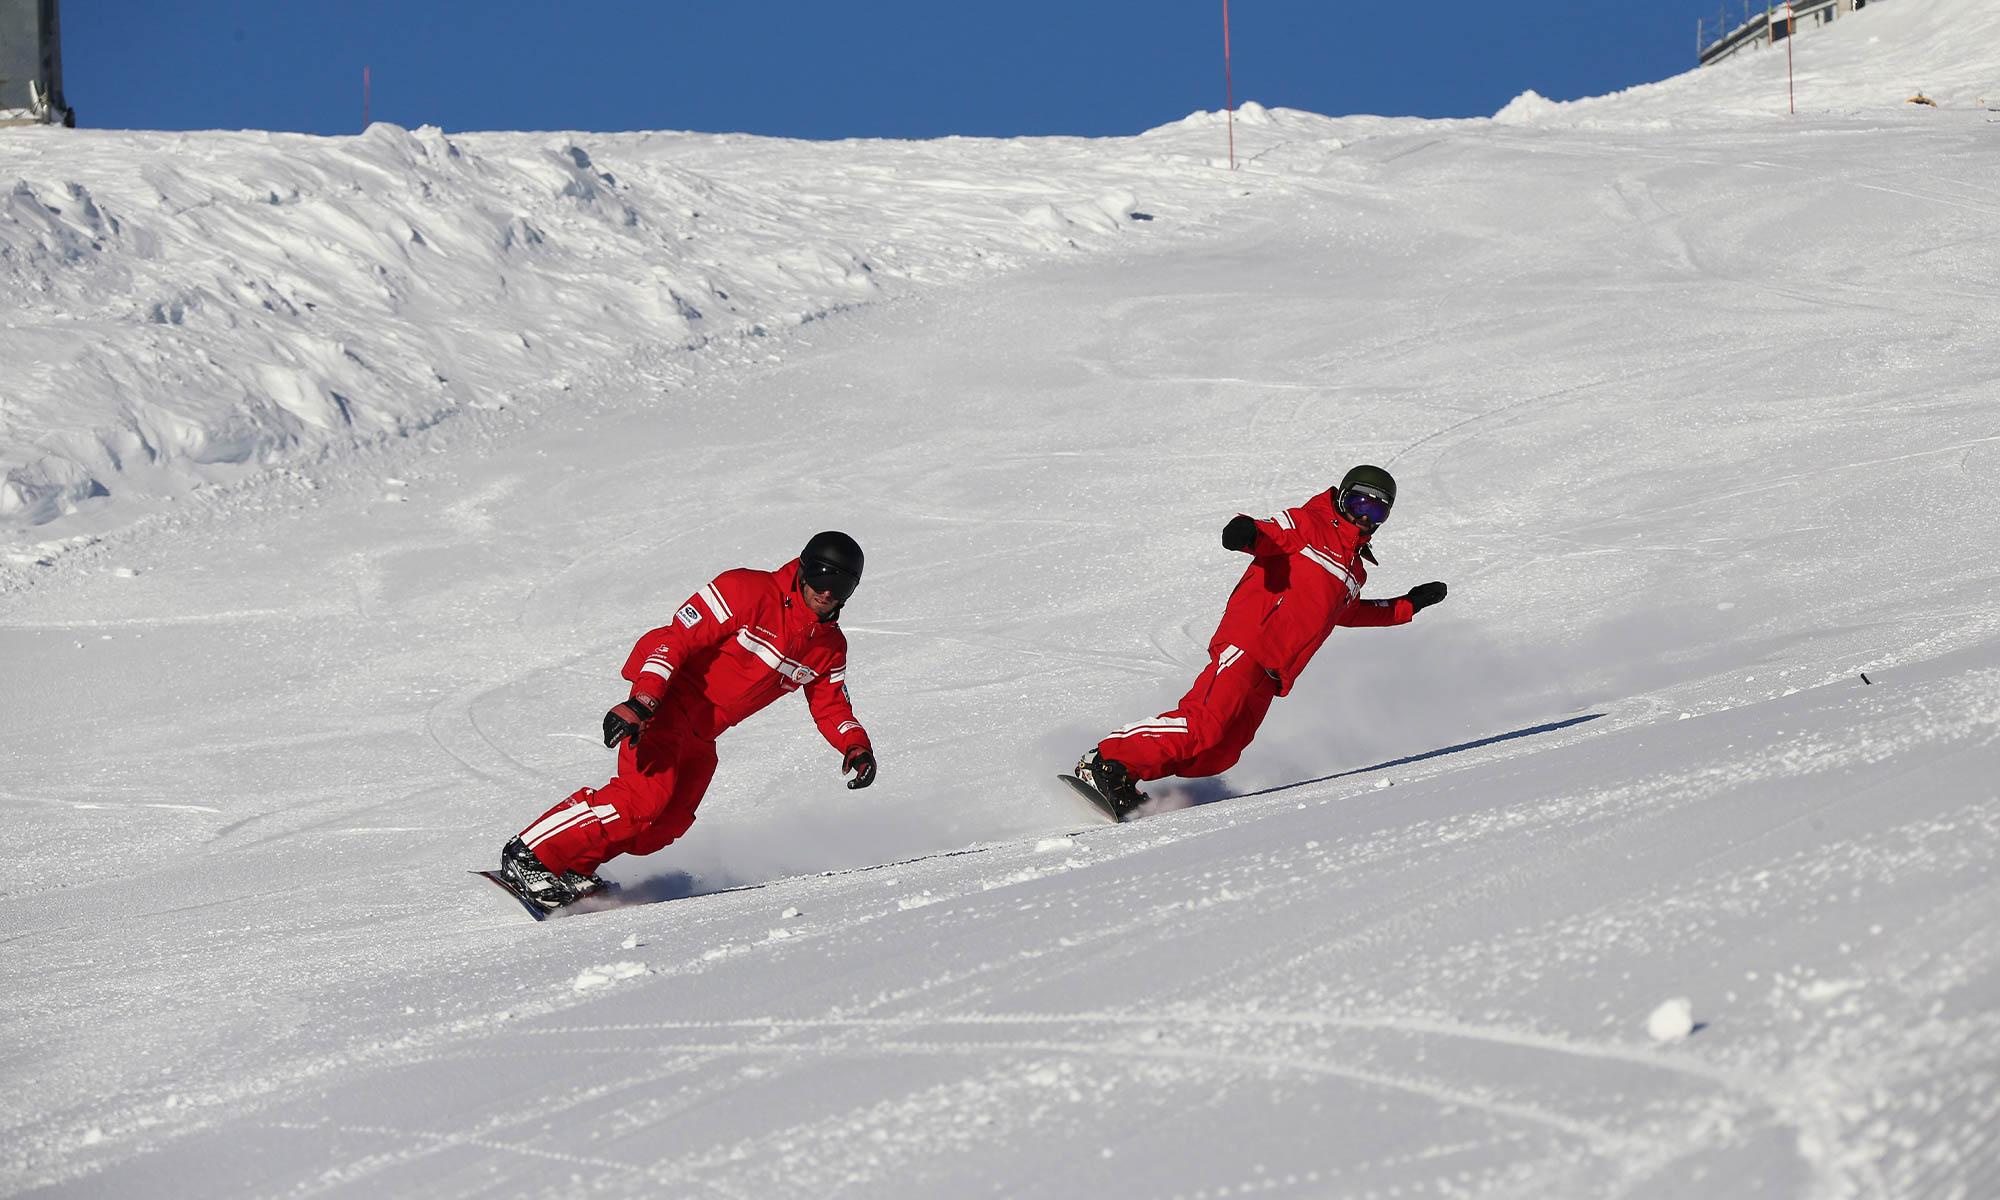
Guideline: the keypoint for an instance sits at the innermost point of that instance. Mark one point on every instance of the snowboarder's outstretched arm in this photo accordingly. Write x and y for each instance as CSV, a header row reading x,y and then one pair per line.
x,y
1395,611
1278,535
827,697
833,712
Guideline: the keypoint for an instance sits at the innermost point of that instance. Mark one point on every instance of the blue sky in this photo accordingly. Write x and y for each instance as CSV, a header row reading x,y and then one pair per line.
x,y
893,68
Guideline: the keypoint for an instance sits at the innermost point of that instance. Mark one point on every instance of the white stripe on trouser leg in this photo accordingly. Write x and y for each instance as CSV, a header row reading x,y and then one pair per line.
x,y
1154,722
564,817
561,816
1152,728
1229,655
562,822
550,828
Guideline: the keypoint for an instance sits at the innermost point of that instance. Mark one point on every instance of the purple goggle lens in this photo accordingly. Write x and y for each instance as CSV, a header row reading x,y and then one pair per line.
x,y
1362,506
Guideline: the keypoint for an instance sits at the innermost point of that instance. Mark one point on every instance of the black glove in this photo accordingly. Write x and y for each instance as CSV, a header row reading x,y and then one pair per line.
x,y
1240,533
861,761
1424,595
626,720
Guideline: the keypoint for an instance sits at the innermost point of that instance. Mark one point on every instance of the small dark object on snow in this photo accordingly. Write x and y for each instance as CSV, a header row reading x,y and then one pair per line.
x,y
1865,679
1139,216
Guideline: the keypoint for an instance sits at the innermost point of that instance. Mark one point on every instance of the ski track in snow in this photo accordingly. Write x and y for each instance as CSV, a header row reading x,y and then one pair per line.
x,y
342,472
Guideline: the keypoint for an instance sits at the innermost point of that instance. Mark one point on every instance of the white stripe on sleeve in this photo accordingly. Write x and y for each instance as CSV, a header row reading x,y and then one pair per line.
x,y
716,604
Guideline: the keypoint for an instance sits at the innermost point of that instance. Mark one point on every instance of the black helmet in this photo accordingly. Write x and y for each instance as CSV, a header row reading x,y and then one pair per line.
x,y
831,562
1365,480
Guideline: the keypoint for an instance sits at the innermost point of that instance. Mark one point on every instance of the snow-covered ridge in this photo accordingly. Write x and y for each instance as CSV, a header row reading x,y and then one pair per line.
x,y
176,307
184,301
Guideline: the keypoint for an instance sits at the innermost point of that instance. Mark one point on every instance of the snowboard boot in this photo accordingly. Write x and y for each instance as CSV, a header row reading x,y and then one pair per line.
x,y
542,887
584,883
1112,781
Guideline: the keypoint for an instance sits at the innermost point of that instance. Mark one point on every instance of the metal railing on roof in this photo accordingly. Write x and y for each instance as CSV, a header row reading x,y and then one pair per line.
x,y
1754,24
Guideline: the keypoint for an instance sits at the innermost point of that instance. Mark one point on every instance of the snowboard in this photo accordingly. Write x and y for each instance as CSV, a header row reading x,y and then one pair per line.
x,y
1098,804
500,881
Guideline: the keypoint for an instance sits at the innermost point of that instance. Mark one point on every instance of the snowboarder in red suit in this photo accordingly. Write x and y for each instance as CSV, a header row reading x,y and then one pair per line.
x,y
1304,579
738,644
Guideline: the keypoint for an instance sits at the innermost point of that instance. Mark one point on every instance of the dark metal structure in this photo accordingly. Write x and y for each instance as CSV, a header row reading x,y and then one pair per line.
x,y
31,88
1754,29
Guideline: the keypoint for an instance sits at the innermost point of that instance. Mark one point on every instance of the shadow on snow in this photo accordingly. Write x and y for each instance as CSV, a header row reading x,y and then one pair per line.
x,y
682,885
1193,792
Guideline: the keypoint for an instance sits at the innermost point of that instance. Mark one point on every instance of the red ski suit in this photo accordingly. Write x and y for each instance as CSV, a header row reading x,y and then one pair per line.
x,y
736,645
1304,579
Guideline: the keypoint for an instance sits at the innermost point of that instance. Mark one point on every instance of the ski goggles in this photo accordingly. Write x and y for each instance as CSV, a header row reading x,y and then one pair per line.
x,y
825,577
1364,506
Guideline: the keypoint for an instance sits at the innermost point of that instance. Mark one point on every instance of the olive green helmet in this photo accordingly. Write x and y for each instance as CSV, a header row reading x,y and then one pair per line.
x,y
1362,485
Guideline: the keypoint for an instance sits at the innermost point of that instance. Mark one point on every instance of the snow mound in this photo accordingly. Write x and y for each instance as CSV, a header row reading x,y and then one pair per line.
x,y
182,309
592,978
1528,108
1672,1021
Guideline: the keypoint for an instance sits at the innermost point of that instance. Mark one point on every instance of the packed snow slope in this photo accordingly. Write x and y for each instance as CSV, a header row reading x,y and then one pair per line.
x,y
1693,404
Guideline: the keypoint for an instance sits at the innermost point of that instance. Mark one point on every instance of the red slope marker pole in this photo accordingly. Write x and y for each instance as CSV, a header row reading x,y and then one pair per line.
x,y
1791,35
1228,86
